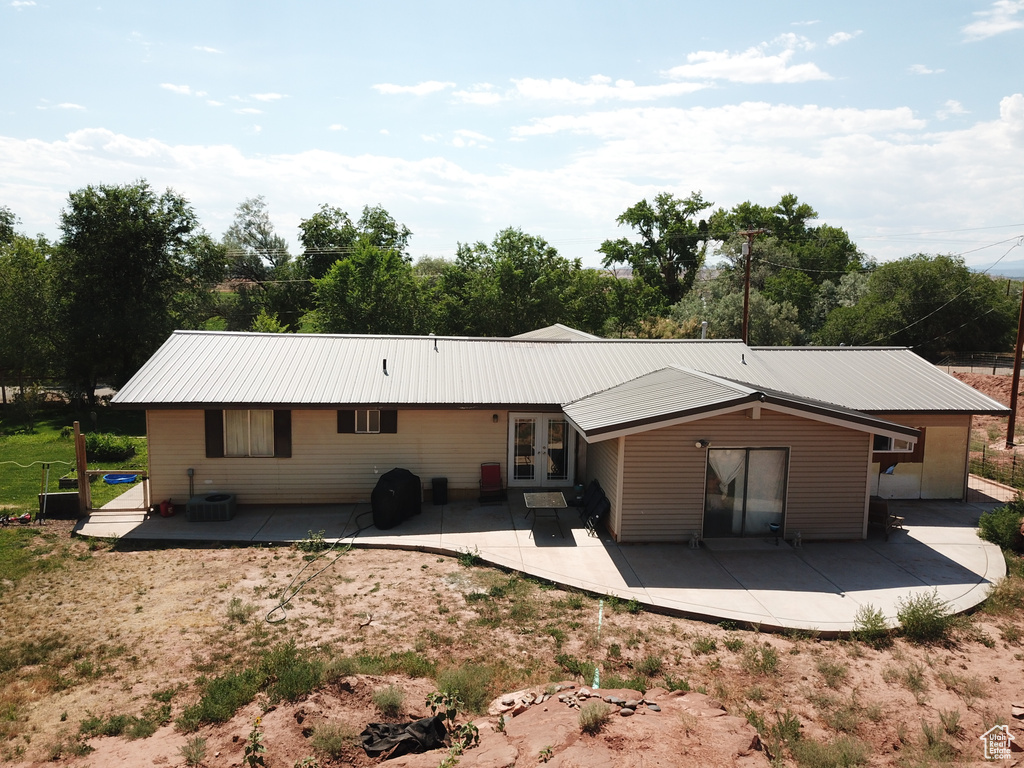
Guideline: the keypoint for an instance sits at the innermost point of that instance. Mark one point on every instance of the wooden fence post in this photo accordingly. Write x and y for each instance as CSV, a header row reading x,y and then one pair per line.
x,y
81,468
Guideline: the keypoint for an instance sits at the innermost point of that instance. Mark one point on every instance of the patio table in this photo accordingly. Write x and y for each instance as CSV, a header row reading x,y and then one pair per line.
x,y
548,502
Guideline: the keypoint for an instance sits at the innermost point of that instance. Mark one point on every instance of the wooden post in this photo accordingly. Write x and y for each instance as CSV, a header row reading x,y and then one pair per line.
x,y
81,468
1015,385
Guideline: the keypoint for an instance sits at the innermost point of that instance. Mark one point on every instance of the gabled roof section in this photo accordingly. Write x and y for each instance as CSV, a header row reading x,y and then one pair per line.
x,y
676,395
557,332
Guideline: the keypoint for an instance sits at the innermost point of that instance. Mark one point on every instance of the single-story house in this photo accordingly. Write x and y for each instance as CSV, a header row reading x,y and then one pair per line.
x,y
686,437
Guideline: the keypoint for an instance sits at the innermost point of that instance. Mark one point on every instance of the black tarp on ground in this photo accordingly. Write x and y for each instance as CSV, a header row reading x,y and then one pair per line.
x,y
396,739
395,497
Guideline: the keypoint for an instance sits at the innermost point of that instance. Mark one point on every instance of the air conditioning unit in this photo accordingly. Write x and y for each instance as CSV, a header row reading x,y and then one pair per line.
x,y
212,507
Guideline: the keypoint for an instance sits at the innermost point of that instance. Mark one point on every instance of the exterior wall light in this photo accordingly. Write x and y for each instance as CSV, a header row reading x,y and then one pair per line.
x,y
702,444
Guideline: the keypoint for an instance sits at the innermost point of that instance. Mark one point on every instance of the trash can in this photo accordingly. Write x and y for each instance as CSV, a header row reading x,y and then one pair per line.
x,y
439,490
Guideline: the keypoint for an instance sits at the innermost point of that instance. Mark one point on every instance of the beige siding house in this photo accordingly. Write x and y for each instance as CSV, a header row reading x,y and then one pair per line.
x,y
687,439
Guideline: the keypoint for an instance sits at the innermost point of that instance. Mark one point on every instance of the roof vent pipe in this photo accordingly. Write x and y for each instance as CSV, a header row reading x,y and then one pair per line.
x,y
743,361
704,329
385,366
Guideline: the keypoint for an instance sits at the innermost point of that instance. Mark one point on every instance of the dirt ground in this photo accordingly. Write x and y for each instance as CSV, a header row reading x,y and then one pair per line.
x,y
120,630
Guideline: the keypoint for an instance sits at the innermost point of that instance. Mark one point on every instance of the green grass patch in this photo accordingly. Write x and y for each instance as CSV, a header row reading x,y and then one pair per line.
x,y
470,683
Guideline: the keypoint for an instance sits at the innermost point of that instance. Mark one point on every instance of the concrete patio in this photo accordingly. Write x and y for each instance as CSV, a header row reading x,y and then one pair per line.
x,y
819,586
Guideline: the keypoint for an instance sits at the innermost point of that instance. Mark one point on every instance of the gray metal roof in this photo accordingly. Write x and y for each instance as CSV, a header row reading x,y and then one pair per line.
x,y
676,393
196,368
556,332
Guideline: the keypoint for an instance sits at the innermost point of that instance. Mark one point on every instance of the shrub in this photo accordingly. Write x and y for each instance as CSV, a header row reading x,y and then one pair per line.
x,y
1002,525
194,751
389,701
925,618
703,644
334,738
761,660
650,666
575,667
470,683
100,446
843,752
870,626
594,715
833,672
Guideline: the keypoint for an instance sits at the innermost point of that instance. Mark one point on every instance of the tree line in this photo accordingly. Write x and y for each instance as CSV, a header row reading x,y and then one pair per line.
x,y
133,264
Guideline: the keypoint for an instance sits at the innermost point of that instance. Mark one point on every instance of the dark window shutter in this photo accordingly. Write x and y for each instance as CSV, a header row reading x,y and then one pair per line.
x,y
283,434
388,422
214,434
346,422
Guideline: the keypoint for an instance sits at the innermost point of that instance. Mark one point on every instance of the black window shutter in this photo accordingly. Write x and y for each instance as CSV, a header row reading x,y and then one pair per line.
x,y
389,422
283,434
214,434
346,422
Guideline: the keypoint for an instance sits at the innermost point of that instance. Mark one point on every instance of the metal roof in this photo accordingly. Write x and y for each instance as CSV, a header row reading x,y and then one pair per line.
x,y
675,393
556,332
211,368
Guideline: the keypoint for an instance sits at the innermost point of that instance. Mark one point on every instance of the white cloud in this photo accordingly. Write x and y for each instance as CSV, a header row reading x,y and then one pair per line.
x,y
921,69
206,49
214,103
1003,16
950,109
432,138
420,89
466,138
598,88
873,172
843,37
806,23
385,132
754,65
481,94
249,111
181,90
336,127
268,96
19,4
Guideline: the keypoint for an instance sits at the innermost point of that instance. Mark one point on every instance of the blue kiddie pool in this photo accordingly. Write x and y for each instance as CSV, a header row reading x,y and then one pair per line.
x,y
118,479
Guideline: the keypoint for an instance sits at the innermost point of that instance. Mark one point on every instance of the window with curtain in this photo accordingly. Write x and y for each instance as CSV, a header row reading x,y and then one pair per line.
x,y
248,433
745,492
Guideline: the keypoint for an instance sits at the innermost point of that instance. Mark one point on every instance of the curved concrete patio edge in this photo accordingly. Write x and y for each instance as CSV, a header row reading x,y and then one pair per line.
x,y
818,587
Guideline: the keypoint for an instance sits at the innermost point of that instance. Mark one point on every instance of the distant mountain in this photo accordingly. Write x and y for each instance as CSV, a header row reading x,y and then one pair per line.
x,y
1014,269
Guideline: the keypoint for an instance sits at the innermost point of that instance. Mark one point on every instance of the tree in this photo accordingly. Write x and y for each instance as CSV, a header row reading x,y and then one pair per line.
x,y
515,284
265,278
771,323
933,304
7,223
326,236
26,323
372,291
672,245
125,254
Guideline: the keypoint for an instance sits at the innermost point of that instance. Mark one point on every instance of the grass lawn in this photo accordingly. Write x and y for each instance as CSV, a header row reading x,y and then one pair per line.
x,y
23,453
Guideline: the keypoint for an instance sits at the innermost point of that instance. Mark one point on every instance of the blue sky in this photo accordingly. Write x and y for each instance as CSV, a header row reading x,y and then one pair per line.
x,y
902,122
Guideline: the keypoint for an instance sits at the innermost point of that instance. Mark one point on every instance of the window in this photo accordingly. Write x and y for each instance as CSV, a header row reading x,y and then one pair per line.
x,y
746,491
248,433
367,422
239,433
883,444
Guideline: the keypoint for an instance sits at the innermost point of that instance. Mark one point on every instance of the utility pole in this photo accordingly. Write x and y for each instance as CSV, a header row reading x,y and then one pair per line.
x,y
1010,426
747,250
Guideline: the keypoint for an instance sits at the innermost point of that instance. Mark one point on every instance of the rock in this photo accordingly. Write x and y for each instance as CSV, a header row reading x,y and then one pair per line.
x,y
508,701
1017,711
519,708
626,711
654,708
632,704
584,693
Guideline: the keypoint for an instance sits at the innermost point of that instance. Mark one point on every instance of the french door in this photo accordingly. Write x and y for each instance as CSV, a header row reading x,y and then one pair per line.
x,y
540,450
745,493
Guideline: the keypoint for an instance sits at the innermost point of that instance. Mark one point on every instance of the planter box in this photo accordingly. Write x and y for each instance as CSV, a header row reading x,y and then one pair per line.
x,y
60,506
66,482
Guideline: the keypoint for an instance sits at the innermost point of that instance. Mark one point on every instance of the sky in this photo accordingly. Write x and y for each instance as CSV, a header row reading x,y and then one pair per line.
x,y
901,122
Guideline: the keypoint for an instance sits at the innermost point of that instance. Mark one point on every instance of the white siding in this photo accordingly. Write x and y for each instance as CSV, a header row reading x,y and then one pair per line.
x,y
664,475
603,466
943,473
326,466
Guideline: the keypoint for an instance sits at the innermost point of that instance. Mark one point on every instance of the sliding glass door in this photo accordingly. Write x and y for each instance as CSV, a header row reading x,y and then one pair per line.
x,y
745,491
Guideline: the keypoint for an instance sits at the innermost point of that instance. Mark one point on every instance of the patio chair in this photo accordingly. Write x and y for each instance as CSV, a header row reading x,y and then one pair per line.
x,y
491,487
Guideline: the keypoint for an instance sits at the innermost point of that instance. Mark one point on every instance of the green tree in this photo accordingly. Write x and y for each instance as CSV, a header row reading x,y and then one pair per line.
x,y
26,322
672,245
933,304
517,283
264,276
125,253
771,323
372,291
7,223
326,236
